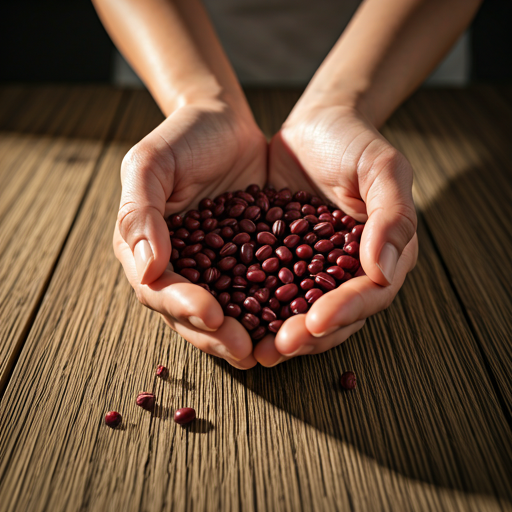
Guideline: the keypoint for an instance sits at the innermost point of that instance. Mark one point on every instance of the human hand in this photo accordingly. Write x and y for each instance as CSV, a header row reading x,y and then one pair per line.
x,y
199,150
335,152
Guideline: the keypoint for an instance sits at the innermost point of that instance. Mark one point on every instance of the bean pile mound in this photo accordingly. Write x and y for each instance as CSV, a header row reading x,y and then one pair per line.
x,y
265,255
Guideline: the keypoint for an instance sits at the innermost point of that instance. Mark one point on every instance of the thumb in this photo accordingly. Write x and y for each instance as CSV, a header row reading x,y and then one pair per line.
x,y
392,217
146,187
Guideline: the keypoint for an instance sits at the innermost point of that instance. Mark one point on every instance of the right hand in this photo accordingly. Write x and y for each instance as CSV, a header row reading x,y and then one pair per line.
x,y
198,151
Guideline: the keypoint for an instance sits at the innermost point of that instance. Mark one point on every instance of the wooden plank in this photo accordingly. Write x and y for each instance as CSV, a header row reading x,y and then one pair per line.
x,y
48,154
459,144
424,431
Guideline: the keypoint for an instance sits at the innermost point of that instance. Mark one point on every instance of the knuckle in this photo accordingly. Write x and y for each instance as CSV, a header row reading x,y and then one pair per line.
x,y
408,220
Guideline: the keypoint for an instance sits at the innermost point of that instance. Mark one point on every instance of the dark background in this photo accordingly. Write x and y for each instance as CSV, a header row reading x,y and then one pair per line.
x,y
57,40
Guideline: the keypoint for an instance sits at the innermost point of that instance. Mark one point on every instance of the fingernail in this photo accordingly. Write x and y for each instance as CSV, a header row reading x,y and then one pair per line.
x,y
279,361
143,255
325,333
387,261
301,351
199,324
224,353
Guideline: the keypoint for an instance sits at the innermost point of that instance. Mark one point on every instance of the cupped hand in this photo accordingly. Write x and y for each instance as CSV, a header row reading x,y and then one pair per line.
x,y
335,152
200,150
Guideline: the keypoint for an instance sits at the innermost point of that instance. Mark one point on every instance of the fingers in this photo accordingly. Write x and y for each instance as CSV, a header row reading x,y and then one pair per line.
x,y
387,188
146,187
358,298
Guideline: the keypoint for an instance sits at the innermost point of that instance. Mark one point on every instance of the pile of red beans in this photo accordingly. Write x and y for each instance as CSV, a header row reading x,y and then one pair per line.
x,y
265,255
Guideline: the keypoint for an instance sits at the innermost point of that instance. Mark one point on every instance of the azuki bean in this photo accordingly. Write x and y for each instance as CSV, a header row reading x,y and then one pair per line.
x,y
226,232
250,321
230,221
304,252
256,276
315,267
352,248
209,253
285,312
324,246
246,253
326,217
287,292
176,221
268,315
262,201
323,208
253,189
278,228
292,215
239,270
284,254
358,230
300,268
238,297
348,222
271,282
228,249
175,254
185,263
310,238
320,257
347,263
351,237
224,298
177,243
222,283
202,261
196,237
336,272
324,230
239,282
205,203
293,205
253,289
266,238
286,275
210,275
191,224
291,241
258,333
246,196
307,284
247,226
226,264
182,234
214,241
191,250
262,295
261,226
274,214
274,305
334,255
233,310
337,239
298,227
206,214
252,305
275,325
252,213
236,210
312,219
191,274
210,224
298,306
254,266
241,238
307,209
270,265
301,196
313,295
325,281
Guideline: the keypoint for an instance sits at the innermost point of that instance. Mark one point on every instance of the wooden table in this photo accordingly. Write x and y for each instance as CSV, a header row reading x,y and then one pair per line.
x,y
429,426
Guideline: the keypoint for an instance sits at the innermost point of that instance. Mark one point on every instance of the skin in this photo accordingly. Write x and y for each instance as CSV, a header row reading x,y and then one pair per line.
x,y
330,145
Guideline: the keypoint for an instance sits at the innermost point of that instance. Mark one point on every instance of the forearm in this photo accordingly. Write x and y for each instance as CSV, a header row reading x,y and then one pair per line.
x,y
174,49
386,52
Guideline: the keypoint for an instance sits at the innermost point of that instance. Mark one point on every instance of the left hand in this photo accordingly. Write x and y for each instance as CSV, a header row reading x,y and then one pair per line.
x,y
334,151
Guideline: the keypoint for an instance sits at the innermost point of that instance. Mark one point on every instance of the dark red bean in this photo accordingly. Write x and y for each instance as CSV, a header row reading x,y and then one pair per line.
x,y
323,208
256,276
255,266
337,239
324,229
252,213
241,238
348,222
302,196
287,292
325,281
315,267
205,286
222,283
258,333
283,197
253,289
194,214
274,305
298,306
338,215
299,226
304,252
358,230
310,238
262,201
292,215
230,222
113,419
351,237
210,224
224,298
176,221
252,305
307,284
185,263
227,233
238,297
239,282
315,201
209,253
261,226
218,210
246,253
191,224
313,295
271,265
326,217
182,234
268,315
284,254
262,295
177,243
250,321
347,276
226,264
202,261
285,312
266,238
214,241
236,210
300,268
347,263
348,381
191,250
336,272
175,254
184,415
312,219
239,270
246,196
247,226
293,205
210,275
307,209
278,228
275,325
196,237
334,255
253,189
324,246
286,275
274,214
320,257
271,282
291,241
191,274
352,248
228,249
206,203
206,214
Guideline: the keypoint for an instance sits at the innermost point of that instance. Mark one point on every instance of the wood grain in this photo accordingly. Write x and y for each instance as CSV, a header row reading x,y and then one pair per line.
x,y
48,154
459,144
424,431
